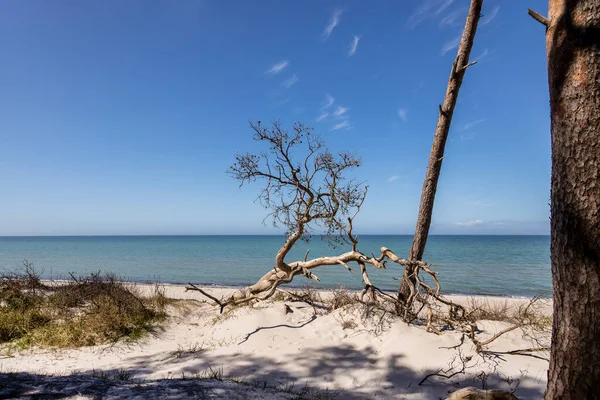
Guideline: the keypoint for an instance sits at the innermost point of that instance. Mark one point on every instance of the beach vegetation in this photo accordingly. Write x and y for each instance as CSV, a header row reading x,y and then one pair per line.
x,y
83,311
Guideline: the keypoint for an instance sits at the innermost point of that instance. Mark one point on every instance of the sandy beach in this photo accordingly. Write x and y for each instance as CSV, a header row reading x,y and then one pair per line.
x,y
276,354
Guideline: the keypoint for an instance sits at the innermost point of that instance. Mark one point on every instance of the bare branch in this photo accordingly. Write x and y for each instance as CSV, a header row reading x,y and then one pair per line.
x,y
467,66
538,17
346,266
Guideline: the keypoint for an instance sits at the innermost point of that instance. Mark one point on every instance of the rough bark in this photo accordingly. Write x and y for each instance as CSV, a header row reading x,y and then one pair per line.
x,y
573,47
459,67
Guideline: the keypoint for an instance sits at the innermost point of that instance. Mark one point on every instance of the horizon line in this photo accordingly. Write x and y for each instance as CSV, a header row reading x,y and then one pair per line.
x,y
270,234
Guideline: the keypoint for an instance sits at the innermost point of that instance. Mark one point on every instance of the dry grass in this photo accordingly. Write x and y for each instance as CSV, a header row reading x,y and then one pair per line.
x,y
83,312
530,318
530,313
348,324
342,298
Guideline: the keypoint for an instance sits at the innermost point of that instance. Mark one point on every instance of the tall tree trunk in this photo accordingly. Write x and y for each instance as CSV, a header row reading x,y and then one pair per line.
x,y
573,46
436,156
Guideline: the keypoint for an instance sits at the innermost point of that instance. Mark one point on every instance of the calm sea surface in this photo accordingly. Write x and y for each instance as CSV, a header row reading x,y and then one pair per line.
x,y
494,265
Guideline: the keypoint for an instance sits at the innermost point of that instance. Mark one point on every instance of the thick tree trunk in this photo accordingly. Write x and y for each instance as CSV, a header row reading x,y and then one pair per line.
x,y
436,156
573,46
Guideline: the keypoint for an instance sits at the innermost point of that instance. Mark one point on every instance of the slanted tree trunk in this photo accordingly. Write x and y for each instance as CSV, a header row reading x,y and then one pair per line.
x,y
573,46
459,67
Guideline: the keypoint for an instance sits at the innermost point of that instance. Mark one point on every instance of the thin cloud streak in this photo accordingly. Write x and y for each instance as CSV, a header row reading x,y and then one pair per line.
x,y
333,22
487,20
394,178
328,103
469,223
450,45
443,7
426,10
353,46
453,19
277,68
483,54
337,113
322,116
473,123
340,111
403,114
329,100
341,125
288,83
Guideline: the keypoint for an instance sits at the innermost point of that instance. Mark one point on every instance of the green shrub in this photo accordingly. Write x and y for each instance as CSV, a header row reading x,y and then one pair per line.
x,y
83,312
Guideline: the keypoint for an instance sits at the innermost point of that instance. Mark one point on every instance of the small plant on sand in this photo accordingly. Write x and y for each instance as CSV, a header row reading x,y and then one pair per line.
x,y
123,375
348,324
342,298
190,349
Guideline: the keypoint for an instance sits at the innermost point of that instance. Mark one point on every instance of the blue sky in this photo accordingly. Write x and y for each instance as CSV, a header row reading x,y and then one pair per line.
x,y
121,117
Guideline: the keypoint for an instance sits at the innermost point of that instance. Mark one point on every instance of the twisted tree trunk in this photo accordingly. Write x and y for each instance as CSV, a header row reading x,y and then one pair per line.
x,y
459,67
573,46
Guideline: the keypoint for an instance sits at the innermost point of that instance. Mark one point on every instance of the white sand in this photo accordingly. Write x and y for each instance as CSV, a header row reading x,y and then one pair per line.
x,y
263,343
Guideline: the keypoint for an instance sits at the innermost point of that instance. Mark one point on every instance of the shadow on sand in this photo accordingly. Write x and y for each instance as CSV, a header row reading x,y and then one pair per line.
x,y
261,374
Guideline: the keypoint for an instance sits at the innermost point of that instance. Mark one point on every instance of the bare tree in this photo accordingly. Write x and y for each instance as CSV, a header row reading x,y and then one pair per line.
x,y
305,188
459,67
573,47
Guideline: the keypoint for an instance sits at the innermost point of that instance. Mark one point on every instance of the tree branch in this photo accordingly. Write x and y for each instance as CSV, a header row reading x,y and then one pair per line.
x,y
538,17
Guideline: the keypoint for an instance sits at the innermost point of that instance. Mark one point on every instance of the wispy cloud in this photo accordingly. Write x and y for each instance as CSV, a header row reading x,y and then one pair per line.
x,y
331,112
340,112
277,68
489,18
341,125
427,9
403,114
394,178
353,46
481,56
454,18
450,45
329,100
471,124
469,223
322,116
289,82
445,4
333,22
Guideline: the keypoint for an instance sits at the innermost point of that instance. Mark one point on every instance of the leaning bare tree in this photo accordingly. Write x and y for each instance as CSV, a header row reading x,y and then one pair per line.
x,y
459,67
573,47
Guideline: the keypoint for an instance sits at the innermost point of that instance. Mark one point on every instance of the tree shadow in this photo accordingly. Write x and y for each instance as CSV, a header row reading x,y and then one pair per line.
x,y
340,369
262,328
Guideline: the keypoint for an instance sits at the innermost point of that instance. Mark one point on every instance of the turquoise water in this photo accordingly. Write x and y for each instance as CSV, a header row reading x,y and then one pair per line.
x,y
492,265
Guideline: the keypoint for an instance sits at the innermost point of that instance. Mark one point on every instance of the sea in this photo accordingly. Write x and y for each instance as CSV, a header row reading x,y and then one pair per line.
x,y
517,266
